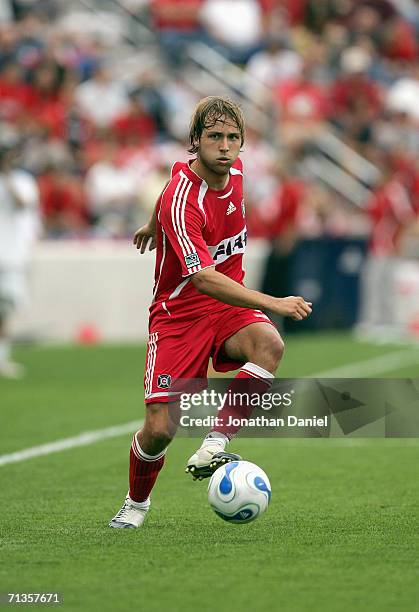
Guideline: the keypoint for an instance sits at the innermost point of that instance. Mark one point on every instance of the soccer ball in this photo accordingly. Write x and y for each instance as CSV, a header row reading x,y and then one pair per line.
x,y
239,492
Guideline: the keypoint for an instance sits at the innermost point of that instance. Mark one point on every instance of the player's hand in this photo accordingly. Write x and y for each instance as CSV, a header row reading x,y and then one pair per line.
x,y
295,307
145,235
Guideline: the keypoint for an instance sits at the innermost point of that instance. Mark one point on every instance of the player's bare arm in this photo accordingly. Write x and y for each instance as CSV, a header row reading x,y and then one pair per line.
x,y
221,287
146,234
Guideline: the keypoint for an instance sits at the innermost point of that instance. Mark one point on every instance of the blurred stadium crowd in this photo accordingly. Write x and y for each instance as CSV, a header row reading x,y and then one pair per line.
x,y
95,99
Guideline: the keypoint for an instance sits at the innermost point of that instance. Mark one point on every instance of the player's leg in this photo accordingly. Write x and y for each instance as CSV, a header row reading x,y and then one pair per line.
x,y
173,352
261,347
258,347
258,343
148,449
9,290
147,454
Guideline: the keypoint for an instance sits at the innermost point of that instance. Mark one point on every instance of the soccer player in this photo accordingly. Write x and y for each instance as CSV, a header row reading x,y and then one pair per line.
x,y
19,228
201,308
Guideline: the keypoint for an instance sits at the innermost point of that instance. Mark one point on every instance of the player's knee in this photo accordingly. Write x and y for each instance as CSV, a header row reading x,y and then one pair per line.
x,y
279,348
159,428
275,350
161,438
160,433
269,351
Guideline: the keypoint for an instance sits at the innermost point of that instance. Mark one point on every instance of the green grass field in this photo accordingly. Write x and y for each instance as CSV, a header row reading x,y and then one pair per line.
x,y
341,533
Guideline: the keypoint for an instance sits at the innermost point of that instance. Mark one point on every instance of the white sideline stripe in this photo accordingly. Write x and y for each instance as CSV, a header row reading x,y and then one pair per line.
x,y
84,439
376,365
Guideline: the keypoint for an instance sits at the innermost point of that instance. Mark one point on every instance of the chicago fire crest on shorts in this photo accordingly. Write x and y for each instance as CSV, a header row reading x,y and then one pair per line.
x,y
164,381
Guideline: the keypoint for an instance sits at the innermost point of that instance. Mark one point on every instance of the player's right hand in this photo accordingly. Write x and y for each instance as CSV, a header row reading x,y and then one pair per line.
x,y
143,236
295,307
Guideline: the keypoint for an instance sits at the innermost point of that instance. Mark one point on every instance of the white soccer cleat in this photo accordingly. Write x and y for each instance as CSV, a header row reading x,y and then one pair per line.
x,y
130,515
207,459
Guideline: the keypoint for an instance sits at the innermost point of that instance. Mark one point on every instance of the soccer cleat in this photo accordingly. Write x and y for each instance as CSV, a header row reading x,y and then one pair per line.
x,y
207,459
129,516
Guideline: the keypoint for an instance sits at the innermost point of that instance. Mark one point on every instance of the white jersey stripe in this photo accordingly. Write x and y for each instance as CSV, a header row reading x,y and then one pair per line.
x,y
179,288
178,191
182,212
178,206
178,218
178,186
165,308
223,197
202,191
175,215
151,359
163,394
147,372
236,171
147,365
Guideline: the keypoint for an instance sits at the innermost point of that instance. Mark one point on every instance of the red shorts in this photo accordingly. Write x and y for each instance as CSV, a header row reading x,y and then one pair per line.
x,y
182,350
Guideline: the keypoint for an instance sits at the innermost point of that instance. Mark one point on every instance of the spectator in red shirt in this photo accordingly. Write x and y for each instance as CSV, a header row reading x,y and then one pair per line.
x,y
14,93
177,23
355,84
179,15
399,40
277,217
63,203
294,10
279,220
391,211
135,125
303,106
45,103
356,99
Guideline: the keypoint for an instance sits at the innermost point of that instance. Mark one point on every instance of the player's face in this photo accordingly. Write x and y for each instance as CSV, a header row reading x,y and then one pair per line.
x,y
219,146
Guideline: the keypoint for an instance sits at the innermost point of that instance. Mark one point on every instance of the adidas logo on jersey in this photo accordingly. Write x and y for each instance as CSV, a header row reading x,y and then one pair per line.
x,y
231,208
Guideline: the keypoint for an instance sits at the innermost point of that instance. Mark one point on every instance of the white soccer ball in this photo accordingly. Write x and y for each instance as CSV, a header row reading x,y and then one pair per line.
x,y
239,492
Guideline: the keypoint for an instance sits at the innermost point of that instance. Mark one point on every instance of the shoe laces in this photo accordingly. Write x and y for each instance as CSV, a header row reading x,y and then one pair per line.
x,y
124,510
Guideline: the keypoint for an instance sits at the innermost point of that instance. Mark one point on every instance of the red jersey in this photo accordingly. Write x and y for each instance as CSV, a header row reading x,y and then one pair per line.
x,y
390,210
197,228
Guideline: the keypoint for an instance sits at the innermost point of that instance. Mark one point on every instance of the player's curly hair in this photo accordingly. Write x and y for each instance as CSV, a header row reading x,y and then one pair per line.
x,y
207,112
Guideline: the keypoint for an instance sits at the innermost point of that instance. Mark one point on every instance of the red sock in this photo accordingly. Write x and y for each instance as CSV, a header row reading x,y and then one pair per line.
x,y
143,471
259,381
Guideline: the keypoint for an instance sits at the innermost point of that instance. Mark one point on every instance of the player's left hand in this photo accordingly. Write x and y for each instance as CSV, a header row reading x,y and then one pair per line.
x,y
145,235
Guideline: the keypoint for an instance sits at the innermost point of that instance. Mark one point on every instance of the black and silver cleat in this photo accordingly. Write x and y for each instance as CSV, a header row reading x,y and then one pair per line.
x,y
217,460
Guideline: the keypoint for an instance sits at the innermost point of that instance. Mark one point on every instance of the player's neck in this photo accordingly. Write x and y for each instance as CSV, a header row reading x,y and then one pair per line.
x,y
213,180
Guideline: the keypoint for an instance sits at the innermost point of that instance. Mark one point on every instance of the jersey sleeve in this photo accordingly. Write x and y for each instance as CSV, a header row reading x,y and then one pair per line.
x,y
183,223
